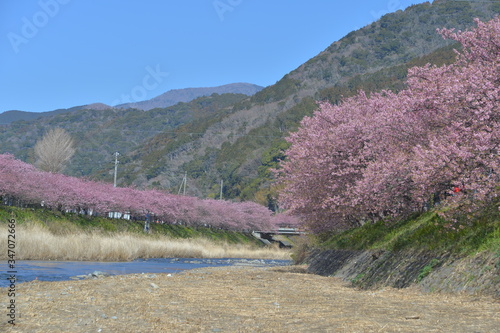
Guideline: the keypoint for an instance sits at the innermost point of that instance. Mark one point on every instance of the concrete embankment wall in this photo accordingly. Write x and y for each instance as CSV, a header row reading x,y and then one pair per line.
x,y
479,274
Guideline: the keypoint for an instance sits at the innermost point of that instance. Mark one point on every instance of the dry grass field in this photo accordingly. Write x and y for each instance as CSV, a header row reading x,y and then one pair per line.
x,y
240,299
33,242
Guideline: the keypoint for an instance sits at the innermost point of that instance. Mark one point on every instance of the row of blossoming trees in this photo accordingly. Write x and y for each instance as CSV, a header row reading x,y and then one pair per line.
x,y
23,184
391,153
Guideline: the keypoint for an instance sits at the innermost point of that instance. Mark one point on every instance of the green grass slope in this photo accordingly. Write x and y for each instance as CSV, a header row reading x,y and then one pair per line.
x,y
64,224
425,232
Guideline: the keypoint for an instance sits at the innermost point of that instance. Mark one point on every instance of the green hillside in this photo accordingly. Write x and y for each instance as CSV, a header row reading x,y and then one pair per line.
x,y
235,138
240,148
65,224
100,133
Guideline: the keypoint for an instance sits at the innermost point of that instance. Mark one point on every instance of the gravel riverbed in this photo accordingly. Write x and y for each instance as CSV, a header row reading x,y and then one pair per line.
x,y
239,299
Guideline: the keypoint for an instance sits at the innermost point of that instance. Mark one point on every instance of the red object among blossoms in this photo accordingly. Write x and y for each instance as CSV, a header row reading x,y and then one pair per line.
x,y
391,153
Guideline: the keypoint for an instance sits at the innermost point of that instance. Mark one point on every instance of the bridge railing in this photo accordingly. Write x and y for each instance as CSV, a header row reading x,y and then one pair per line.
x,y
283,231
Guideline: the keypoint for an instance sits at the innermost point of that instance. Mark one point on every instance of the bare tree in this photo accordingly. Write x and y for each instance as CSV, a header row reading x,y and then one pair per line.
x,y
54,150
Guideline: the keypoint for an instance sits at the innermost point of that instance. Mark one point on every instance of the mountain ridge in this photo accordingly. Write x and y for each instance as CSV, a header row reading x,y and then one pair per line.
x,y
392,41
164,100
175,96
238,138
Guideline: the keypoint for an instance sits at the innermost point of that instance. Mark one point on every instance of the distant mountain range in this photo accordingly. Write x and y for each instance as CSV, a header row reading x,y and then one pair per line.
x,y
238,138
175,96
8,117
164,100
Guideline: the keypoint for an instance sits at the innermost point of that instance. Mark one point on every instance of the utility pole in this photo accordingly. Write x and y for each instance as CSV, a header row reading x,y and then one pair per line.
x,y
116,154
221,187
183,184
180,187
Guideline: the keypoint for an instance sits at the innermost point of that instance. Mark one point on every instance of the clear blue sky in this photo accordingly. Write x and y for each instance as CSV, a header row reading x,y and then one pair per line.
x,y
63,53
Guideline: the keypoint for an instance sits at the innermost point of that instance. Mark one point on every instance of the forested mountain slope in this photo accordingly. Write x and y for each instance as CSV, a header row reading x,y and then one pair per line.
x,y
100,133
162,101
241,147
236,138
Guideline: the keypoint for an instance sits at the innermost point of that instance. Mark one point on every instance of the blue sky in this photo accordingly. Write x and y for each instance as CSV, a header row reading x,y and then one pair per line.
x,y
63,53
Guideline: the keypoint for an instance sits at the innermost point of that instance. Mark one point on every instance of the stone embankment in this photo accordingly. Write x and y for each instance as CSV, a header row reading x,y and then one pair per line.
x,y
478,275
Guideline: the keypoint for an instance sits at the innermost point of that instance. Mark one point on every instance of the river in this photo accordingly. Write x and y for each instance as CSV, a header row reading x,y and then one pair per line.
x,y
29,270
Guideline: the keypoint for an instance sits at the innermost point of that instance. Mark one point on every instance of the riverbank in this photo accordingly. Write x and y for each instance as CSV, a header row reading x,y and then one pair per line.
x,y
34,242
60,223
54,271
475,274
240,299
47,235
421,251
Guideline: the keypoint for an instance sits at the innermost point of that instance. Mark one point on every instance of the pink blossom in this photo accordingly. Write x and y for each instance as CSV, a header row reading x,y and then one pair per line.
x,y
23,183
388,154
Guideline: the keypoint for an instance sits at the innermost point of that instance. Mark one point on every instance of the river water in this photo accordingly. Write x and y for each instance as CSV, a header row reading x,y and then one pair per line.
x,y
29,270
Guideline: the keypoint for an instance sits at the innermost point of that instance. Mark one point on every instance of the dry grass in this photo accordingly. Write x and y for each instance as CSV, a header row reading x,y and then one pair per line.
x,y
34,242
240,299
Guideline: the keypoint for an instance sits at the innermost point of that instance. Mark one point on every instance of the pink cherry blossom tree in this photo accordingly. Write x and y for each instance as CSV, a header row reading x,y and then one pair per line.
x,y
390,153
21,183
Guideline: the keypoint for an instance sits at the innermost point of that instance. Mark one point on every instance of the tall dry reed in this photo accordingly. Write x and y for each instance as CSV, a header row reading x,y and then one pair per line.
x,y
36,242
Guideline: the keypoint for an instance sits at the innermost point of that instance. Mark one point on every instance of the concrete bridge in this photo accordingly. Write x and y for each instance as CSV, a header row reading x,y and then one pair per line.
x,y
282,236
